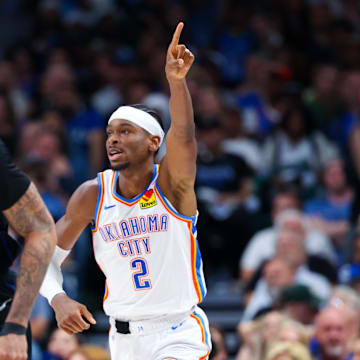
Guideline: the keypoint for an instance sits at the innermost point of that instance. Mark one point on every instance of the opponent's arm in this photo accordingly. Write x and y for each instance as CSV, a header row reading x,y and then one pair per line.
x,y
178,169
79,213
31,219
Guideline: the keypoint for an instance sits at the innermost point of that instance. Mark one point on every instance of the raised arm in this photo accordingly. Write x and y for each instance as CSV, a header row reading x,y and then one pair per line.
x,y
79,213
178,168
30,218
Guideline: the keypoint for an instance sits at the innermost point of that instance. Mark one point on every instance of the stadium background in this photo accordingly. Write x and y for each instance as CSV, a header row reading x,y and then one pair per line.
x,y
276,95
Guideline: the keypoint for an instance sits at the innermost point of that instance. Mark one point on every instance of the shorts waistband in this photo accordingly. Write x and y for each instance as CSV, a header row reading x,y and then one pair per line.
x,y
142,327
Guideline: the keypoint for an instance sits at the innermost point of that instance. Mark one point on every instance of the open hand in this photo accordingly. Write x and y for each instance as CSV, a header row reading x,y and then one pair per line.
x,y
179,59
70,314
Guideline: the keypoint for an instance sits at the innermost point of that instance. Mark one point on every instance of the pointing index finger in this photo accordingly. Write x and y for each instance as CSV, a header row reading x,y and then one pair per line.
x,y
177,33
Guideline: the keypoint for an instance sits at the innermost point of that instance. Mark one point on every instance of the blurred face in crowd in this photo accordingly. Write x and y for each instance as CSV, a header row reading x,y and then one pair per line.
x,y
293,223
284,202
53,121
270,326
62,344
331,332
47,145
334,177
290,246
288,333
231,122
300,312
57,78
7,75
278,274
350,89
356,256
295,125
212,139
325,81
208,102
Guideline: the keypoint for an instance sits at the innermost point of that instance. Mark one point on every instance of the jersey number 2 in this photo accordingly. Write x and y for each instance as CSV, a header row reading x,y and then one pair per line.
x,y
141,270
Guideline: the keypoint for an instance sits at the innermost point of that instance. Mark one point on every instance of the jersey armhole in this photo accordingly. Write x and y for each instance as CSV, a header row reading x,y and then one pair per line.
x,y
170,208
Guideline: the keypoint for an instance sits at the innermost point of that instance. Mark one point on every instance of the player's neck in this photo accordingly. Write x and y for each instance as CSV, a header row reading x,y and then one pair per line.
x,y
134,180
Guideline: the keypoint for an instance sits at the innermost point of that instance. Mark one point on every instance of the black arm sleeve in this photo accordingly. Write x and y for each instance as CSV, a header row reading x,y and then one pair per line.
x,y
13,182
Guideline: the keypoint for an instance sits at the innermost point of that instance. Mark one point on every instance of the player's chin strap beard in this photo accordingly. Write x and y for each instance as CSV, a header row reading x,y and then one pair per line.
x,y
121,166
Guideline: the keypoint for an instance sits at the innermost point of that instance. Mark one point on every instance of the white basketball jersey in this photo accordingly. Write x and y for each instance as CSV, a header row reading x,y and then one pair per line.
x,y
147,251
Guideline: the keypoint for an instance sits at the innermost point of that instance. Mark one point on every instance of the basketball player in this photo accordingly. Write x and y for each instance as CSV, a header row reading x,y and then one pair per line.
x,y
144,233
21,206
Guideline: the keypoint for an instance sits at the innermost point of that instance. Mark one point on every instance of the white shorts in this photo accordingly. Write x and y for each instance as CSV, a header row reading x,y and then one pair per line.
x,y
180,337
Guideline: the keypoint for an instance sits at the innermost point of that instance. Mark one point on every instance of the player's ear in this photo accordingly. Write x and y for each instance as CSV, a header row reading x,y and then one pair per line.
x,y
154,143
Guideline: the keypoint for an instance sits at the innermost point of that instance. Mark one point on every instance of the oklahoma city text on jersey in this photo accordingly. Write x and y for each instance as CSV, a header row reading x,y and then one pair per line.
x,y
136,242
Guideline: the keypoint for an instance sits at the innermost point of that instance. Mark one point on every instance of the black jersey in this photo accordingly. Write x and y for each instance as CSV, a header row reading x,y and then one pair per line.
x,y
13,184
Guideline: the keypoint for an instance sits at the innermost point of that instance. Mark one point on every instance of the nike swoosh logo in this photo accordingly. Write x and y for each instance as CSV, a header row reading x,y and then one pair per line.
x,y
3,305
108,207
175,327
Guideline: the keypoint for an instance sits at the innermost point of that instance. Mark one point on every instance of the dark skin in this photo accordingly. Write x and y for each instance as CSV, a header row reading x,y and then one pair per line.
x,y
30,218
131,150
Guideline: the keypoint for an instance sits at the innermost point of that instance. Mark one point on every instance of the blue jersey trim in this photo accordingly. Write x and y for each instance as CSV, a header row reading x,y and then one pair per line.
x,y
198,270
192,218
98,201
205,330
130,201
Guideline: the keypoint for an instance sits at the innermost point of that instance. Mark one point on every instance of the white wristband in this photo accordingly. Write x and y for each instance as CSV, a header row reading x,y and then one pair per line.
x,y
53,280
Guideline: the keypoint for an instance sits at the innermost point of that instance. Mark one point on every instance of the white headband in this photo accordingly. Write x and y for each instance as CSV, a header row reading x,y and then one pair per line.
x,y
140,118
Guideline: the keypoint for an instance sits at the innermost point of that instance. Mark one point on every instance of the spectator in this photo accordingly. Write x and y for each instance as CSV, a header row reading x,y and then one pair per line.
x,y
296,152
258,334
219,351
350,270
86,134
348,132
299,303
37,170
322,99
49,149
290,247
347,300
288,351
330,212
330,336
262,245
286,268
277,275
61,345
224,190
236,142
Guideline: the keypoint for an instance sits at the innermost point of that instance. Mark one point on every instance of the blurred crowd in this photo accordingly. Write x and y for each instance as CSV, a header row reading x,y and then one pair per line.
x,y
276,96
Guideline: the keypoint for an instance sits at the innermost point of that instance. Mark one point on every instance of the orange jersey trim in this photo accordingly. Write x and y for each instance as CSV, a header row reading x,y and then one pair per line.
x,y
202,336
106,295
192,245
